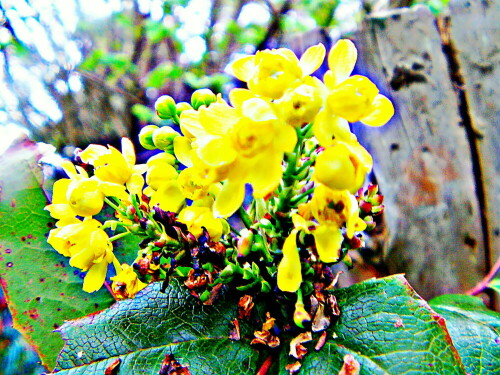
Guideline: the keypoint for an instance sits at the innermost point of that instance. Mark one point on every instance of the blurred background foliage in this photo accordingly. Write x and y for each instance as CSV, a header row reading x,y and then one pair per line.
x,y
74,72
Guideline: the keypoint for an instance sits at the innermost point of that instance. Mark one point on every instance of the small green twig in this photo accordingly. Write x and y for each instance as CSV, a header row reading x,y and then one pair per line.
x,y
119,235
299,197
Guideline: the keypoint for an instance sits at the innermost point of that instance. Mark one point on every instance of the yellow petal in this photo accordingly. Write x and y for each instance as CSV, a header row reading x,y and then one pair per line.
x,y
258,110
169,197
190,124
312,59
322,128
59,190
128,151
69,168
328,239
216,151
60,211
135,184
110,189
238,96
286,139
182,150
229,199
95,277
289,275
383,110
300,223
218,119
265,183
92,152
243,68
341,60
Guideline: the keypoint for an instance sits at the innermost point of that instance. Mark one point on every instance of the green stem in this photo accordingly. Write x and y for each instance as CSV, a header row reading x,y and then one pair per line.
x,y
304,166
113,205
234,230
299,197
245,218
118,236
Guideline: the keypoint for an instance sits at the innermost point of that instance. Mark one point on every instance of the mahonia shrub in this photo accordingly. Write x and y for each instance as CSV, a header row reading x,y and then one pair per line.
x,y
258,194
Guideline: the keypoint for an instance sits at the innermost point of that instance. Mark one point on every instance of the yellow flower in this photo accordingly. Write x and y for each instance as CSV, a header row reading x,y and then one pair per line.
x,y
270,73
196,218
343,165
289,270
114,166
79,195
126,284
301,103
351,99
235,144
89,248
332,209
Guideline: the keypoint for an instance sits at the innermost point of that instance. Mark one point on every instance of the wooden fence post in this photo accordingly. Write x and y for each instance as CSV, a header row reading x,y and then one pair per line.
x,y
425,164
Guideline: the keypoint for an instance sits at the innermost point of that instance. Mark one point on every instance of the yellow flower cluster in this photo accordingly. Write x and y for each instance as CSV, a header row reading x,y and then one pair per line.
x,y
287,136
280,79
77,199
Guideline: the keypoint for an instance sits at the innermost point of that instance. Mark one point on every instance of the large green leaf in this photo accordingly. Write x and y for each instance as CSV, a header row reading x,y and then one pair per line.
x,y
384,324
475,331
42,290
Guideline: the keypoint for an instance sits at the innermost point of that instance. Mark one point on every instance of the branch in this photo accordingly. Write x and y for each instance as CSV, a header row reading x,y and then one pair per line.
x,y
483,284
275,25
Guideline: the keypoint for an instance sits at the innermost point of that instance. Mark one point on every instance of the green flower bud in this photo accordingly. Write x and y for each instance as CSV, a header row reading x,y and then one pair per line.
x,y
245,241
300,315
265,287
182,106
163,138
165,107
205,296
228,272
202,97
146,137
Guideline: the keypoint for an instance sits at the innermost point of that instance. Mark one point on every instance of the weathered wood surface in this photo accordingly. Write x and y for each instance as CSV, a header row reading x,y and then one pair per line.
x,y
426,165
475,33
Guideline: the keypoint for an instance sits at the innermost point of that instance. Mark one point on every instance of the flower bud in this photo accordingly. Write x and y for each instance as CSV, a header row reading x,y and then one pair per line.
x,y
146,137
228,272
202,97
300,316
244,244
181,107
265,287
365,207
165,107
163,138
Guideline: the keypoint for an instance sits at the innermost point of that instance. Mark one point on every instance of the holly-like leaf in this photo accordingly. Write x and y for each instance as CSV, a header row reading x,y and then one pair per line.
x,y
386,321
42,290
384,325
475,331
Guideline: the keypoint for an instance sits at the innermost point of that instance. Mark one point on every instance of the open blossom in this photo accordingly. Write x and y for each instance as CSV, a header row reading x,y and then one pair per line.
x,y
79,195
348,99
270,73
332,209
199,218
126,284
88,247
237,144
343,165
114,166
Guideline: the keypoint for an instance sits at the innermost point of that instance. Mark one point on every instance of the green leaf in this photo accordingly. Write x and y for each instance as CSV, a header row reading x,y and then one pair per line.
x,y
42,290
387,322
384,324
152,319
475,331
204,356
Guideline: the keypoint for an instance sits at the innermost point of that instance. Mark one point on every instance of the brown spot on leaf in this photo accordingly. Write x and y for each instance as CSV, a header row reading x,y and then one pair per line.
x,y
113,368
170,366
351,366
